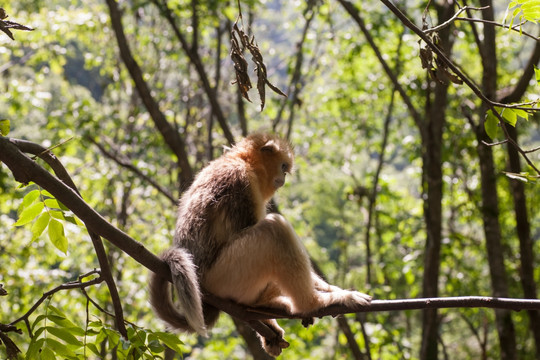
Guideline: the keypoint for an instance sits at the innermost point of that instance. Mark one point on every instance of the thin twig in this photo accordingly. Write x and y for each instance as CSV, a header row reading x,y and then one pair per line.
x,y
532,150
76,284
494,23
125,163
495,143
452,19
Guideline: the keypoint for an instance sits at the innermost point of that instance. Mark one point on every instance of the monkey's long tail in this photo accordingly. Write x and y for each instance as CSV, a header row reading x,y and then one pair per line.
x,y
184,275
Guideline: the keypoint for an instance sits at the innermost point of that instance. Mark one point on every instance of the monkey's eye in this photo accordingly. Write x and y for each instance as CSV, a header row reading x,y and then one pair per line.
x,y
285,167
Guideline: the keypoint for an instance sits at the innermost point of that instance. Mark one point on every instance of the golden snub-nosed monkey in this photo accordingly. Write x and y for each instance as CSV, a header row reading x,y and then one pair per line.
x,y
226,244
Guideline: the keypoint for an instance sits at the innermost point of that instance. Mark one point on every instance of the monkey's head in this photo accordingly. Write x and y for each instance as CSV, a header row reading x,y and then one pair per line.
x,y
271,158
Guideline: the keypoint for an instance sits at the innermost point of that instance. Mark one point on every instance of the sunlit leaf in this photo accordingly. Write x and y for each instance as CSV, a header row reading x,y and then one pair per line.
x,y
30,213
58,347
65,335
171,340
491,124
39,225
34,348
29,199
47,354
509,116
4,127
56,235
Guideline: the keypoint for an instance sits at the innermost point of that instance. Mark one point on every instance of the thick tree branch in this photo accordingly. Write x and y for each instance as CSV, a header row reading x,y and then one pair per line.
x,y
25,170
106,272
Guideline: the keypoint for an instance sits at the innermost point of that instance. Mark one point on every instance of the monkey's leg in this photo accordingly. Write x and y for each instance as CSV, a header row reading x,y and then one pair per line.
x,y
322,285
272,297
270,252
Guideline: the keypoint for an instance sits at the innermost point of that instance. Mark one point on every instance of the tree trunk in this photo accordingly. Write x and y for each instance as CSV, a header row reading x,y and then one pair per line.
x,y
433,189
517,189
523,229
492,231
490,202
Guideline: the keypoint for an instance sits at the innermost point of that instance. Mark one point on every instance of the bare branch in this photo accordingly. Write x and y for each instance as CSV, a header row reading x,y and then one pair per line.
x,y
452,19
388,305
494,23
532,150
170,135
495,143
77,284
125,163
195,59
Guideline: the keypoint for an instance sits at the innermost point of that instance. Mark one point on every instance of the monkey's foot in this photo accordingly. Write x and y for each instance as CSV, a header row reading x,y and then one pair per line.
x,y
306,322
275,345
355,298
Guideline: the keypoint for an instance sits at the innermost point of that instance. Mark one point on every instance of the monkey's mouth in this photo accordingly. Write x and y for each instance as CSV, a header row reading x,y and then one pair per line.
x,y
279,182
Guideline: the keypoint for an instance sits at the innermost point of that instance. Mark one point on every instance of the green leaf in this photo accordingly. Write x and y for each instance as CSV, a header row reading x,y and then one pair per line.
x,y
491,124
34,348
522,114
57,214
93,348
47,354
64,334
40,225
52,203
58,347
28,199
4,127
29,213
56,235
537,73
171,341
510,116
38,319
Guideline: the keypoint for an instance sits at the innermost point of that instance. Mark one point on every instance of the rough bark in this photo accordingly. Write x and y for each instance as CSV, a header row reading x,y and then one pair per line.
x,y
517,189
432,140
490,201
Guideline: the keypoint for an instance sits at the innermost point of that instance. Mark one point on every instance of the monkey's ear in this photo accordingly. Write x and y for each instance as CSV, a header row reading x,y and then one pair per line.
x,y
269,147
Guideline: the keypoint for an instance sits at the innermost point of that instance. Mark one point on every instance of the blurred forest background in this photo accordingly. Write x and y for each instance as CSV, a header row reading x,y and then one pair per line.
x,y
396,191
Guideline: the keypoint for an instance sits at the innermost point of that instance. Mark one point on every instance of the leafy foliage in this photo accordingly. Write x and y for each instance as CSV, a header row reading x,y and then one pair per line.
x,y
65,80
524,10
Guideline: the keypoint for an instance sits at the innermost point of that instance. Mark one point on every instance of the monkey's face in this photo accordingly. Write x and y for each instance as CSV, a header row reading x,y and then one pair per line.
x,y
277,165
279,178
275,162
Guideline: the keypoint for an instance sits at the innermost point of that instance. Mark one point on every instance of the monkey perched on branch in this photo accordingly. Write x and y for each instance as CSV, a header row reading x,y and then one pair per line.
x,y
226,244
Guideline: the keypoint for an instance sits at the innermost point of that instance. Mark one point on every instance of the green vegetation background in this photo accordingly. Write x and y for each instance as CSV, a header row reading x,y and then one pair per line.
x,y
64,83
